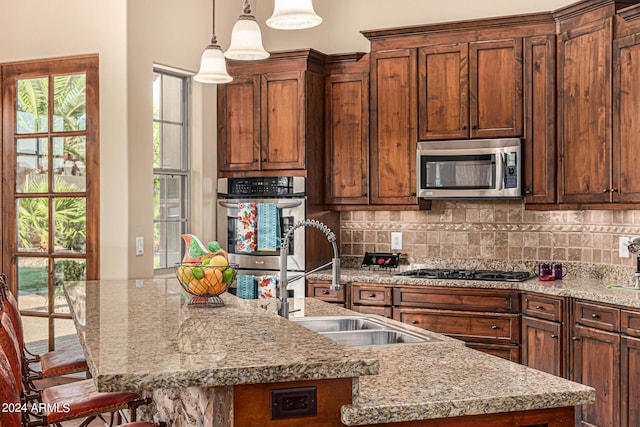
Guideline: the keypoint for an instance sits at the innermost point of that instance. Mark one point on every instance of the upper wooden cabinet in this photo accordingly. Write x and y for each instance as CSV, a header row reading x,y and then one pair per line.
x,y
268,115
539,144
393,127
470,90
347,129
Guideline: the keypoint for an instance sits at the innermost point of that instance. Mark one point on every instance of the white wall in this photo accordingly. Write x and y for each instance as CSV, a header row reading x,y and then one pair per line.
x,y
344,19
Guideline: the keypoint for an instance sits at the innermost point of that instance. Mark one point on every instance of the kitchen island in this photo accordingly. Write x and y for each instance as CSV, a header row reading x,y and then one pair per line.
x,y
197,362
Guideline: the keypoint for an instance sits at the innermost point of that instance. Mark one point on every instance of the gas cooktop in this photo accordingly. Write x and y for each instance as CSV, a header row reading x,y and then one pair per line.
x,y
443,273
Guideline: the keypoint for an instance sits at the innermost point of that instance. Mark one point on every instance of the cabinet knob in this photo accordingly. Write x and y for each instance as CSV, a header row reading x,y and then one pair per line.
x,y
414,322
413,193
575,338
595,316
365,194
325,292
264,159
605,190
463,127
372,295
538,307
554,336
255,160
474,127
614,190
527,190
494,327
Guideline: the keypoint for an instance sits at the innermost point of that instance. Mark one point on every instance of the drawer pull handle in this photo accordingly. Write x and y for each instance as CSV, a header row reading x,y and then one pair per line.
x,y
372,295
325,292
595,316
554,336
414,322
494,327
538,307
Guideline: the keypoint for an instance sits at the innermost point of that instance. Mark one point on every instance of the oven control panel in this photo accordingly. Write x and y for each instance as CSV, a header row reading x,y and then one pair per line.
x,y
272,186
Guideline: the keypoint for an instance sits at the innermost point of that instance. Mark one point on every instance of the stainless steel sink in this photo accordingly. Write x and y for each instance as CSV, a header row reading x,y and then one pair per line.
x,y
362,331
335,324
380,337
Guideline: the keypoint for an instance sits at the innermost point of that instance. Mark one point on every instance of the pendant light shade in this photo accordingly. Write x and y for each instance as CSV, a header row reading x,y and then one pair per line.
x,y
246,39
213,68
293,15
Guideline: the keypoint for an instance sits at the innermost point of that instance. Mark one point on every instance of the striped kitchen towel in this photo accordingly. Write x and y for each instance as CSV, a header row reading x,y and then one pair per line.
x,y
246,227
246,287
268,227
267,287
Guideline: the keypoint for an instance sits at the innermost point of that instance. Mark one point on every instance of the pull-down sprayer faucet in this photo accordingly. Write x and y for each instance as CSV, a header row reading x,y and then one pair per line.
x,y
335,262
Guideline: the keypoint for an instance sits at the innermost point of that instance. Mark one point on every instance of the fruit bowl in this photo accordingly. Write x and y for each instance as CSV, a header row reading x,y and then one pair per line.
x,y
202,284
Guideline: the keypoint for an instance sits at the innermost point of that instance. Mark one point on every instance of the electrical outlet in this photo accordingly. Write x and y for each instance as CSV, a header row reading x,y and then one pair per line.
x,y
396,240
623,247
139,246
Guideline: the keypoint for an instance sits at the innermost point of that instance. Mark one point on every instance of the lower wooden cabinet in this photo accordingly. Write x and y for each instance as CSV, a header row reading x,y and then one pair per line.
x,y
596,358
509,352
542,345
630,382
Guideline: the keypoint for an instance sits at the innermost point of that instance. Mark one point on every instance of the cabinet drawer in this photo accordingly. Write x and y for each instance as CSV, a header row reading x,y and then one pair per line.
x,y
322,291
597,316
499,328
509,352
497,301
542,307
374,309
630,323
367,294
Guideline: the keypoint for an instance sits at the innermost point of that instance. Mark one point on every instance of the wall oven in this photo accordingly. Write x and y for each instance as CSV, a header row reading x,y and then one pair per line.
x,y
469,169
288,195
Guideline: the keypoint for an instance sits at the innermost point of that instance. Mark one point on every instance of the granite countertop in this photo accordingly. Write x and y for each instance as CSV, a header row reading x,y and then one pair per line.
x,y
576,286
140,334
447,379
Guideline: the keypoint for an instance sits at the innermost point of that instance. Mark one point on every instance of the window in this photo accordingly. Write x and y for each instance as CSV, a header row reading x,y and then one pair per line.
x,y
170,167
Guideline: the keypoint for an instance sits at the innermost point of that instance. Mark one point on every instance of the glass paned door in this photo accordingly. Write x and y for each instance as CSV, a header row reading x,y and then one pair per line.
x,y
50,192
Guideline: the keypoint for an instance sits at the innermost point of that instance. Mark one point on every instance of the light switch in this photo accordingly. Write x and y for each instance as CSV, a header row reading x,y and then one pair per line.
x,y
396,240
623,248
139,246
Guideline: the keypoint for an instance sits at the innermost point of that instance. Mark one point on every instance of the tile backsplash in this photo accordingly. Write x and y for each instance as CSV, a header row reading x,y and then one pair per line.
x,y
493,230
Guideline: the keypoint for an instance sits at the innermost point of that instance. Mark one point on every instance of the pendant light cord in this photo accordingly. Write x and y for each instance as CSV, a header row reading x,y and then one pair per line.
x,y
214,41
246,7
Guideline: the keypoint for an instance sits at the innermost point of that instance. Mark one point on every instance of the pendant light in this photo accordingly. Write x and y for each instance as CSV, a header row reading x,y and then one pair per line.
x,y
293,15
246,40
213,68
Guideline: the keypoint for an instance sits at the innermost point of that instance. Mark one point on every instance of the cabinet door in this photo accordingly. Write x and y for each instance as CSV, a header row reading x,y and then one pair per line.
x,y
539,145
443,92
283,118
542,345
347,136
393,129
584,96
239,124
597,364
630,382
495,88
626,150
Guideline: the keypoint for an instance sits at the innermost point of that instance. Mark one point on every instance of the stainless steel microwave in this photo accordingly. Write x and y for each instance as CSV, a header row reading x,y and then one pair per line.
x,y
470,169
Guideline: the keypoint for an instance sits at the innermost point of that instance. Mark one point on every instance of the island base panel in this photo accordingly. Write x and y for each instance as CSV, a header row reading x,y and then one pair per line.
x,y
252,405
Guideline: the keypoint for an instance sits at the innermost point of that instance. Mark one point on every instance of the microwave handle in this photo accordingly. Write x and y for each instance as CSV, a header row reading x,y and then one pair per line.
x,y
500,168
280,205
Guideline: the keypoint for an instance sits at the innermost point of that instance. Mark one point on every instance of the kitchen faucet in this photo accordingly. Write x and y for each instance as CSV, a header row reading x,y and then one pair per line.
x,y
634,248
335,262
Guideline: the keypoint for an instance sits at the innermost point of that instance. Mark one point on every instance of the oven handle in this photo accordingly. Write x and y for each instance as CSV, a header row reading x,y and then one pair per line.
x,y
280,205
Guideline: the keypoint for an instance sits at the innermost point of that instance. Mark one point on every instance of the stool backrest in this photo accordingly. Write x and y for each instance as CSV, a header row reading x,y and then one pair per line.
x,y
11,308
9,395
9,346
